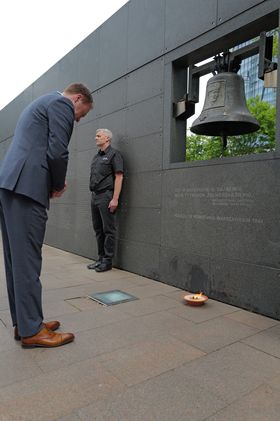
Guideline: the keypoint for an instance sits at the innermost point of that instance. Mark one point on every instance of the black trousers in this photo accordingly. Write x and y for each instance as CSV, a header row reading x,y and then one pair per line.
x,y
23,223
104,225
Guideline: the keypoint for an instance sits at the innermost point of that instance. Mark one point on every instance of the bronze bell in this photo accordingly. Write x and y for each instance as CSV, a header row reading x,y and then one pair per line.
x,y
225,111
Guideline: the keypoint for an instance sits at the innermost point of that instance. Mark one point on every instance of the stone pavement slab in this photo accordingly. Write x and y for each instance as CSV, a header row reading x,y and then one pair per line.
x,y
148,358
50,395
96,342
214,334
163,398
16,366
149,305
6,339
260,405
253,320
212,310
267,341
232,371
151,359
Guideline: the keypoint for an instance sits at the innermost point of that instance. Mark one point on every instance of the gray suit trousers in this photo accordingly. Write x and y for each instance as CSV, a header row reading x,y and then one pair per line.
x,y
23,224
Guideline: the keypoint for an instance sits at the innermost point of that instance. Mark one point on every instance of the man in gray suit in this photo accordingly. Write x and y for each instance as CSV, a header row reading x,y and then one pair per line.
x,y
32,172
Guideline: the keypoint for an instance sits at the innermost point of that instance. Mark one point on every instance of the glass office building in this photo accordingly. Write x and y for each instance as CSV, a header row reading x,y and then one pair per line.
x,y
253,85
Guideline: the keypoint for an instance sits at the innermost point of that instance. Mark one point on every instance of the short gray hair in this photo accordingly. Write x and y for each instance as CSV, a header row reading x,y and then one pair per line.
x,y
107,132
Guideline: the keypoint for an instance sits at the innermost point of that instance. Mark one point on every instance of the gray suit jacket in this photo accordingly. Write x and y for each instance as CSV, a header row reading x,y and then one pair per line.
x,y
36,161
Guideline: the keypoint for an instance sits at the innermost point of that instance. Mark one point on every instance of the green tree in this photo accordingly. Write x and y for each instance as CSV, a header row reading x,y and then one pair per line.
x,y
200,147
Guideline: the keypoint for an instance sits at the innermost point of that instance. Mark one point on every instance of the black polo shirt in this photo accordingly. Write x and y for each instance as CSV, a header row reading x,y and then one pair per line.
x,y
104,166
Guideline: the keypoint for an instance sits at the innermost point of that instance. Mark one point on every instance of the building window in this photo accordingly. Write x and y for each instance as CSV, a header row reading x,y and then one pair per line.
x,y
261,102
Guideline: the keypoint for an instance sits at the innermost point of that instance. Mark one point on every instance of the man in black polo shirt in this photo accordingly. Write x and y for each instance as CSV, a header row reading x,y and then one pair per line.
x,y
106,177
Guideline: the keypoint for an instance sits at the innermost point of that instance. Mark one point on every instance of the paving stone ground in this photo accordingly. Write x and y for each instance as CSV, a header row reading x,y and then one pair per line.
x,y
151,359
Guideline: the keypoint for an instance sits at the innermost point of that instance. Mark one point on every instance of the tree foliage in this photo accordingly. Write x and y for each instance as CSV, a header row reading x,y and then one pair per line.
x,y
200,147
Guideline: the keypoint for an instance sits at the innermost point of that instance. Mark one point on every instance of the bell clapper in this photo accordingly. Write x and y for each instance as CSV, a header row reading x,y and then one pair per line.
x,y
224,137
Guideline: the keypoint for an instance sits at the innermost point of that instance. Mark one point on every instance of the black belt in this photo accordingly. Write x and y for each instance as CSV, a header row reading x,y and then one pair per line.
x,y
102,191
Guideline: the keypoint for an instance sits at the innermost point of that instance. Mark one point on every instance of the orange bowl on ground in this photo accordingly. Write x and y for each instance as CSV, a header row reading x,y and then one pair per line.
x,y
195,299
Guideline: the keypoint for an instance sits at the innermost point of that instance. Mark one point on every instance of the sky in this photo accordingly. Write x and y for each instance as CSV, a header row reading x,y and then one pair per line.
x,y
35,34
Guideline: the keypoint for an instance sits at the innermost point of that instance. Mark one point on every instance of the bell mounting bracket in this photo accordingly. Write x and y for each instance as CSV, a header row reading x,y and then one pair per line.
x,y
228,61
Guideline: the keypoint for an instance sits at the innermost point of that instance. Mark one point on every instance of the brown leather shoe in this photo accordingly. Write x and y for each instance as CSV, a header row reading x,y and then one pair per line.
x,y
53,325
47,339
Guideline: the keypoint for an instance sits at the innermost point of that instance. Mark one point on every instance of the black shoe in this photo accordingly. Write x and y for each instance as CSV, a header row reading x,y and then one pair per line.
x,y
103,267
94,265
